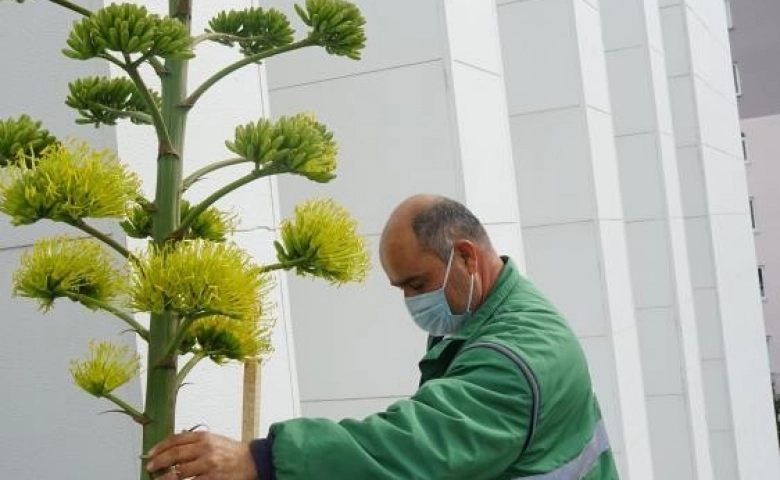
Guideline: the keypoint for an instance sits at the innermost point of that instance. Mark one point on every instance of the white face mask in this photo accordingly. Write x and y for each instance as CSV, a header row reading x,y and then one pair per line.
x,y
432,312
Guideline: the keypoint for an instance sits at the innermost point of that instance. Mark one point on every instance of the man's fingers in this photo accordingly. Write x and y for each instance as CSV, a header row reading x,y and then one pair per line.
x,y
176,453
195,468
169,476
173,441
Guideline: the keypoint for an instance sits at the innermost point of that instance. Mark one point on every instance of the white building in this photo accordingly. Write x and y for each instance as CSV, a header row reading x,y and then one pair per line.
x,y
756,61
598,141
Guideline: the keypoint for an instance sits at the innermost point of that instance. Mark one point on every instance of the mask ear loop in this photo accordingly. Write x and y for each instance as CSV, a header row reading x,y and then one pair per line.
x,y
449,266
471,294
447,275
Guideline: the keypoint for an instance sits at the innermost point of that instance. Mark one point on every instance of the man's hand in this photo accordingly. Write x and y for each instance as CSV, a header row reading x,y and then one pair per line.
x,y
201,455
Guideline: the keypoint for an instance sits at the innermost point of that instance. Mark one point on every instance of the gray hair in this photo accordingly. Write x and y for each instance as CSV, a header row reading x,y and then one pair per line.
x,y
438,226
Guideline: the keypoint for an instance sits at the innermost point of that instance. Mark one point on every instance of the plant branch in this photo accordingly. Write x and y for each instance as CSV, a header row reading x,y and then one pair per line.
x,y
156,114
196,175
158,66
283,265
187,367
127,318
140,116
137,416
110,58
184,325
211,199
72,6
217,37
211,81
103,237
141,59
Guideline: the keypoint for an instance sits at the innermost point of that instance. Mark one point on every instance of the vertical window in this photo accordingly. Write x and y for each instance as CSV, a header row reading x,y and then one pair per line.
x,y
729,19
761,282
752,212
744,147
737,78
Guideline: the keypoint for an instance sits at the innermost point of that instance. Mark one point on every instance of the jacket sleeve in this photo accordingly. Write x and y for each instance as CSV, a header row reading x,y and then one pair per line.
x,y
470,424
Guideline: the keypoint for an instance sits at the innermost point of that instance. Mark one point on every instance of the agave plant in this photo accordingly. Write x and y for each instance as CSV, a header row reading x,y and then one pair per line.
x,y
204,295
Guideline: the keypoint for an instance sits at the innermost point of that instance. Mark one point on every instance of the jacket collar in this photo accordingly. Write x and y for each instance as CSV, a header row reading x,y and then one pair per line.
x,y
441,350
505,283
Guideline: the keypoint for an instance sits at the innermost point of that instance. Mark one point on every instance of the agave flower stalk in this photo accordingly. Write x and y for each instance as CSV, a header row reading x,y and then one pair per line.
x,y
204,295
160,403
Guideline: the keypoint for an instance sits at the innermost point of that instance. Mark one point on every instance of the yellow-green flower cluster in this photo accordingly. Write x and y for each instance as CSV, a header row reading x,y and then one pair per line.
x,y
336,25
298,144
101,100
138,221
108,367
22,135
254,29
212,224
129,29
321,239
74,268
222,338
196,278
67,184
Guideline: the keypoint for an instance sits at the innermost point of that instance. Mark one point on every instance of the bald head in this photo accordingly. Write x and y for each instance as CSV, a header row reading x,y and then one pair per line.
x,y
434,223
402,219
429,235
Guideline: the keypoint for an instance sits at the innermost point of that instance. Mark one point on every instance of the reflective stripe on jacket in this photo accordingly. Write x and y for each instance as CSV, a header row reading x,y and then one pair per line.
x,y
507,397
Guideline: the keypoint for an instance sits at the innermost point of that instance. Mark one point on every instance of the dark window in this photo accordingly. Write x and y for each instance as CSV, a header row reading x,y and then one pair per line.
x,y
737,78
752,212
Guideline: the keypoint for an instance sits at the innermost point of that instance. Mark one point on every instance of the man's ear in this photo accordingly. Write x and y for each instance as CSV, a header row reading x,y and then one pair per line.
x,y
467,251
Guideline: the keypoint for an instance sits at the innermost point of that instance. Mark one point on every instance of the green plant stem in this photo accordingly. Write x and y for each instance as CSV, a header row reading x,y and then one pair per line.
x,y
283,265
173,347
103,237
138,61
211,199
185,370
72,6
112,59
128,409
197,174
127,318
218,37
190,101
185,325
161,387
140,116
157,65
157,118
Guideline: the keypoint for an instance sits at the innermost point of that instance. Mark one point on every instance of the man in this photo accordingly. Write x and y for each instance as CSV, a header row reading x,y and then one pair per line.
x,y
505,391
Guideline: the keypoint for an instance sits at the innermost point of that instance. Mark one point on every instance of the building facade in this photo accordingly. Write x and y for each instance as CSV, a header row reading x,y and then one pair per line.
x,y
755,48
598,141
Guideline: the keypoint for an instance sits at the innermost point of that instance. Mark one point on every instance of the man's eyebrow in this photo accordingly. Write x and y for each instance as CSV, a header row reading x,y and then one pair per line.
x,y
406,281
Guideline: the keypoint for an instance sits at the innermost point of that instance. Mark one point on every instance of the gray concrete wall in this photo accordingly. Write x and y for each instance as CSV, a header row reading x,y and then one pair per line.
x,y
755,46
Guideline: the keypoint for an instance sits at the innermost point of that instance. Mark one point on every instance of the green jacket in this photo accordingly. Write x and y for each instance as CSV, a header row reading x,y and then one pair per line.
x,y
509,396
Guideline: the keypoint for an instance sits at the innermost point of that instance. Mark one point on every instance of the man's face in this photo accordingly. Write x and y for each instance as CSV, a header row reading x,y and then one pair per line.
x,y
415,271
410,268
